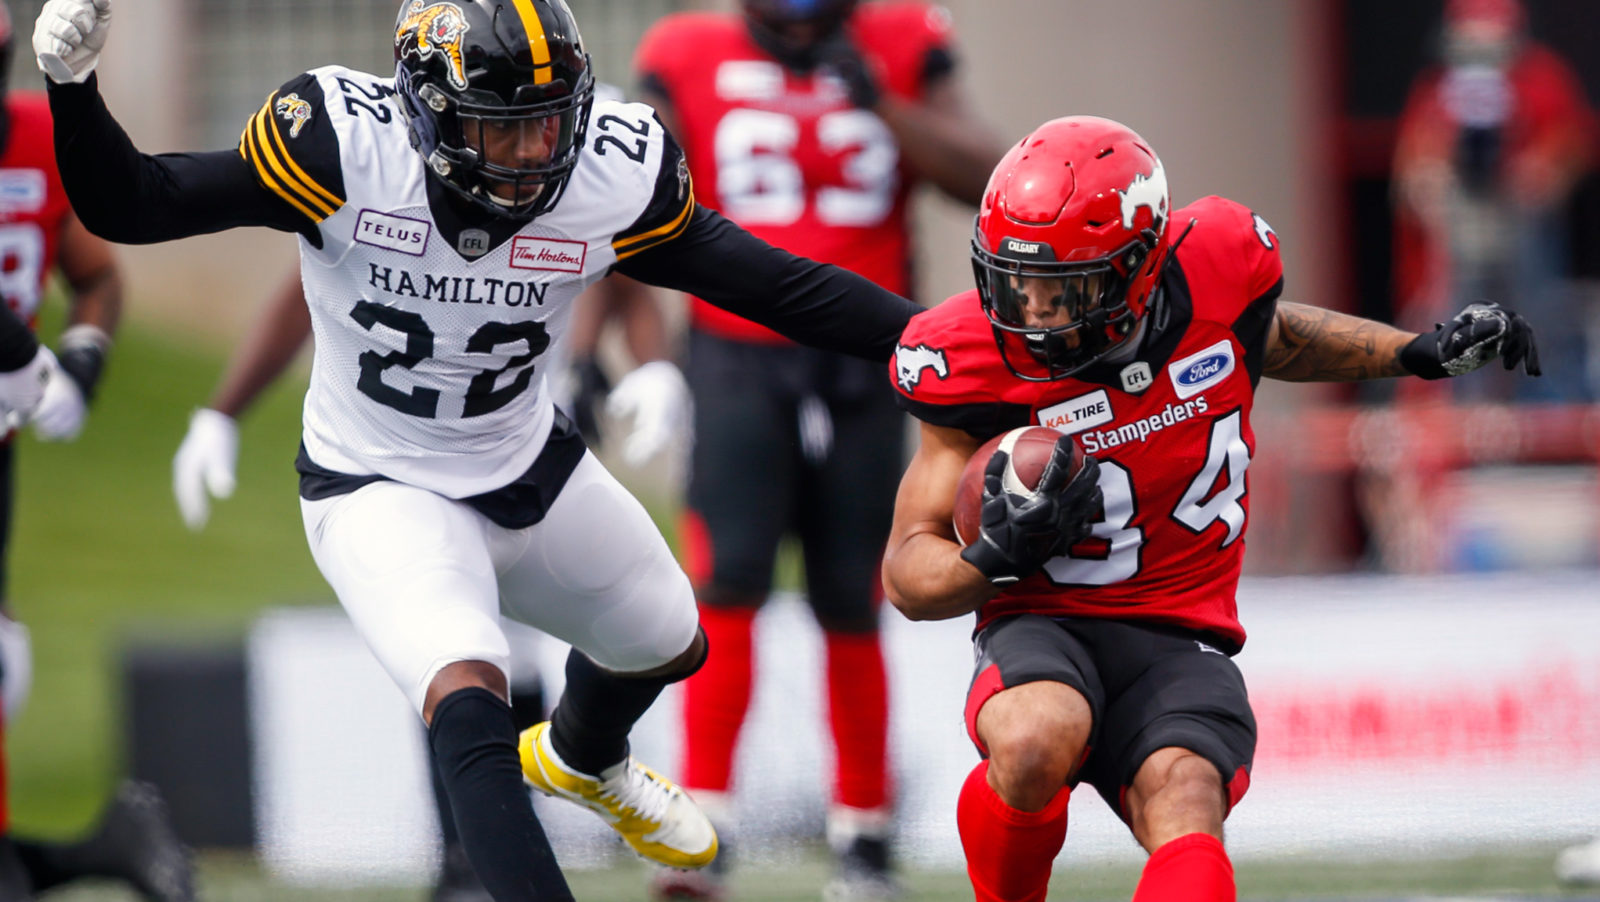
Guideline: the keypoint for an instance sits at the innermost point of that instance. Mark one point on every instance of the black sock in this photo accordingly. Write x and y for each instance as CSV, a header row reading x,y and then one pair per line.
x,y
527,709
589,728
527,704
475,750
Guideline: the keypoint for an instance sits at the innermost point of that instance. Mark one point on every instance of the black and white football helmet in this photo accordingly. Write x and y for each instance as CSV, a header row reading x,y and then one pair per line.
x,y
496,94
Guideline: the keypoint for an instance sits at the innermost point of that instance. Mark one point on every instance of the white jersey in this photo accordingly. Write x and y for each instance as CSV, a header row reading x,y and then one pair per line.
x,y
432,353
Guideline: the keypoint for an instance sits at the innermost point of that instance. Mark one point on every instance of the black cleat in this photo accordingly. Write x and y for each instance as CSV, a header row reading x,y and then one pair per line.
x,y
862,874
136,842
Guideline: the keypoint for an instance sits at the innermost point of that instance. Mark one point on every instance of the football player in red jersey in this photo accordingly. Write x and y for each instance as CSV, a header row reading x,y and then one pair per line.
x,y
1106,616
808,122
134,842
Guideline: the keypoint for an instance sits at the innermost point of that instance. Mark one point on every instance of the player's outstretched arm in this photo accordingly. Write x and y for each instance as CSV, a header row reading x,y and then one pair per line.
x,y
119,193
206,462
1310,344
923,572
813,303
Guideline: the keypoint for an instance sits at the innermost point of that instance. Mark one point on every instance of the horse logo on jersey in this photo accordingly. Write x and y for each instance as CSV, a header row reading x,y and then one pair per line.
x,y
1145,191
910,362
294,110
439,28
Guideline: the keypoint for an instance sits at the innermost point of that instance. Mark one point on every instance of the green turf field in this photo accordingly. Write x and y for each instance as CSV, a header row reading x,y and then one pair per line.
x,y
1516,874
100,554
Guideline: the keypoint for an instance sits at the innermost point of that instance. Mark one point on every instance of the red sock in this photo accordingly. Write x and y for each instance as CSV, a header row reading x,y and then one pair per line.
x,y
1008,851
1192,868
858,709
715,699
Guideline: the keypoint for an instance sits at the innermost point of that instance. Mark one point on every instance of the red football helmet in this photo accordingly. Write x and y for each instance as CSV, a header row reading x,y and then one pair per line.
x,y
1075,218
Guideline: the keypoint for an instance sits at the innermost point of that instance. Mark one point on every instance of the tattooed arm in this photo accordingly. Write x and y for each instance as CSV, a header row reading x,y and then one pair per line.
x,y
1310,344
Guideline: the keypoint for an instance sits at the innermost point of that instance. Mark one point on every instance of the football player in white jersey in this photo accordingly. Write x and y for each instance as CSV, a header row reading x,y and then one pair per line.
x,y
447,218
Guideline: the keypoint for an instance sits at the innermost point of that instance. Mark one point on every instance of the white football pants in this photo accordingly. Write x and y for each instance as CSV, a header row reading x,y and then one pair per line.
x,y
426,579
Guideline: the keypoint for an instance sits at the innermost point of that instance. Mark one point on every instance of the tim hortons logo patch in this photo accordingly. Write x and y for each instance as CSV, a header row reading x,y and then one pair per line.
x,y
552,254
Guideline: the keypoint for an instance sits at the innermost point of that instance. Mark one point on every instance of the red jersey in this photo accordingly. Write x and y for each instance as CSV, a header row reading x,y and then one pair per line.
x,y
1170,426
786,155
32,204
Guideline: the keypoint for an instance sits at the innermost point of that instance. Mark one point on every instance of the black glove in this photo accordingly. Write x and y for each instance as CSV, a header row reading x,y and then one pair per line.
x,y
1018,534
81,354
1472,338
840,55
589,389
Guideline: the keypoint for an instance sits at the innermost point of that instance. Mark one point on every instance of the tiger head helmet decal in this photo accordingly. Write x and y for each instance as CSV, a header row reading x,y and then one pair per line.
x,y
437,28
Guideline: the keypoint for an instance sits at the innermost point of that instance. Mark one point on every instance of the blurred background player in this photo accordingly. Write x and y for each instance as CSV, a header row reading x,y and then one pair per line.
x,y
39,234
1492,140
1107,621
808,122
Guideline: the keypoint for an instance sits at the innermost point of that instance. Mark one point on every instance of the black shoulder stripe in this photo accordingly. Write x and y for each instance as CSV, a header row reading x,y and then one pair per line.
x,y
980,420
1253,326
670,208
293,150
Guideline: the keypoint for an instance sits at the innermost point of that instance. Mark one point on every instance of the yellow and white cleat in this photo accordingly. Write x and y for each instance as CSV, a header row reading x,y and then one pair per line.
x,y
652,814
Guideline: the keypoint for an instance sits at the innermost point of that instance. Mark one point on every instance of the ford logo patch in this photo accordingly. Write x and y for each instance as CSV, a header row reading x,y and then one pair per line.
x,y
1203,369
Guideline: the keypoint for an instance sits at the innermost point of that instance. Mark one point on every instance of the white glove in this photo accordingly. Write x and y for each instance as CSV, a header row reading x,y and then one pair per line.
x,y
656,398
205,463
22,389
68,38
16,668
62,411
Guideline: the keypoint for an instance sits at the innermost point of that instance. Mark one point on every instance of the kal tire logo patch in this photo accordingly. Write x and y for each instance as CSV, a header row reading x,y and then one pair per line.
x,y
1077,414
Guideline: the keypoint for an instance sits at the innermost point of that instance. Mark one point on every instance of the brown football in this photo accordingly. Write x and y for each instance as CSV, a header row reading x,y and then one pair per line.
x,y
1030,448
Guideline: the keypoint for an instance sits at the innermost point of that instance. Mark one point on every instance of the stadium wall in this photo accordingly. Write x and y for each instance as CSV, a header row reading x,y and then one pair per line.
x,y
1398,717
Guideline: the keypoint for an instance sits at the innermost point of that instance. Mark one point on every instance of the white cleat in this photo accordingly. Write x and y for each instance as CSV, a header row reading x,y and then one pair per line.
x,y
652,814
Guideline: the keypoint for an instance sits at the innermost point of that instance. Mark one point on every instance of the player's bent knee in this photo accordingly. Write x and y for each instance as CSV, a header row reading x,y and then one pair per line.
x,y
679,668
1035,735
454,677
1176,792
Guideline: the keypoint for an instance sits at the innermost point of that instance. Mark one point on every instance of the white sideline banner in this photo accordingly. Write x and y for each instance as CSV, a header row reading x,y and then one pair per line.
x,y
1398,716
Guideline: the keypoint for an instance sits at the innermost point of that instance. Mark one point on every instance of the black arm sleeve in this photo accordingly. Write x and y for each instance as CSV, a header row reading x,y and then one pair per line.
x,y
125,196
17,341
810,302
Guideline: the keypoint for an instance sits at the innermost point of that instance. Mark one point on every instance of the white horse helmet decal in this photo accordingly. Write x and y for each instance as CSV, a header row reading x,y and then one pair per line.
x,y
1145,191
